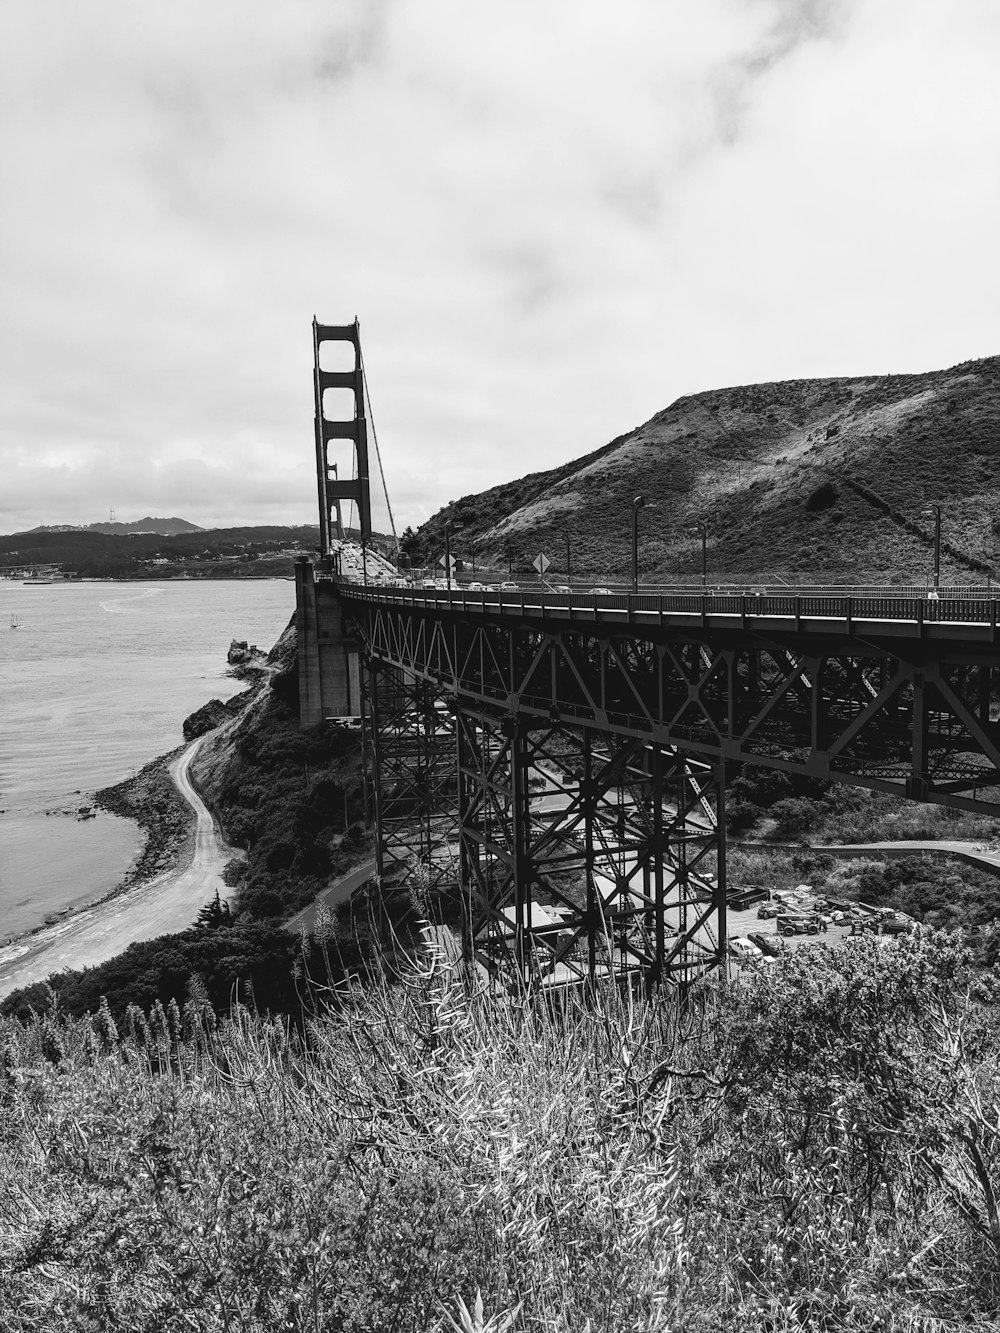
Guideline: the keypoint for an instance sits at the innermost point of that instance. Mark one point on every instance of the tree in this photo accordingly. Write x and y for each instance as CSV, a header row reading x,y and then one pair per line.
x,y
215,915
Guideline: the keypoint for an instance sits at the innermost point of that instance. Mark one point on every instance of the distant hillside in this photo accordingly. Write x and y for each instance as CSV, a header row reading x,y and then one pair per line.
x,y
230,552
830,477
163,527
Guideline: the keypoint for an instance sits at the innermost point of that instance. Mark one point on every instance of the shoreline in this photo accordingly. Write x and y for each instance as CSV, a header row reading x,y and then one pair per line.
x,y
150,799
141,909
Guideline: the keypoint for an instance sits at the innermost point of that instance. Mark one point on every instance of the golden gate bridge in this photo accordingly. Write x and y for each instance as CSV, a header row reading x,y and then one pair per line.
x,y
553,763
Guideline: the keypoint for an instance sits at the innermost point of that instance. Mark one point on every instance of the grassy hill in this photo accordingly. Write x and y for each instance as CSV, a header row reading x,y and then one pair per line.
x,y
830,477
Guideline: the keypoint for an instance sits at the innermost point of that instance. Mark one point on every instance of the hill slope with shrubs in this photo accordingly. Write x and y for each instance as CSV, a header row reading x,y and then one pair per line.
x,y
815,1148
291,798
828,477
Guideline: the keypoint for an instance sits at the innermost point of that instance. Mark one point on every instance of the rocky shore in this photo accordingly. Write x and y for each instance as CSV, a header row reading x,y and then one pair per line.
x,y
154,803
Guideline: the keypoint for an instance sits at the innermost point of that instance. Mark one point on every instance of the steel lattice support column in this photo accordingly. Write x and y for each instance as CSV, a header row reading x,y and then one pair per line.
x,y
413,740
587,855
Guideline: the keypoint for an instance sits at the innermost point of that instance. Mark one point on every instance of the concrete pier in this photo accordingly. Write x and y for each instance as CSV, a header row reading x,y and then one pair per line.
x,y
329,669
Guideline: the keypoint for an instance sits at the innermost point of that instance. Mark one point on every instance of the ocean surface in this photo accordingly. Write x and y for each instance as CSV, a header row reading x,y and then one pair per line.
x,y
95,681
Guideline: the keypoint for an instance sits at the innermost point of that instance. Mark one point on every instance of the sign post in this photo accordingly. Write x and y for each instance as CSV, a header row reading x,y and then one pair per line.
x,y
448,564
541,563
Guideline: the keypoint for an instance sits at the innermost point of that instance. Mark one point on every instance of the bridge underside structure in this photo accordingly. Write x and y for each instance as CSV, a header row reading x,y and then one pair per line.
x,y
559,759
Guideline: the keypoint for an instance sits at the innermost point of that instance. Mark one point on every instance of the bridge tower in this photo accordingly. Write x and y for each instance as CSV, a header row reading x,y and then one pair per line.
x,y
329,661
332,488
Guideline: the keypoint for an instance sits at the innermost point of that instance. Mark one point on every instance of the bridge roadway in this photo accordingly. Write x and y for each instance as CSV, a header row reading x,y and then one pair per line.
x,y
851,613
892,692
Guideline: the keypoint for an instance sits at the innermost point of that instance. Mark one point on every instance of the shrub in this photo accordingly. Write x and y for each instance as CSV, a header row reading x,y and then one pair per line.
x,y
793,817
799,1150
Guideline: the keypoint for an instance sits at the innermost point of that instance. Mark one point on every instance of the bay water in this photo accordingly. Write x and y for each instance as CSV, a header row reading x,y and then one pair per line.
x,y
96,680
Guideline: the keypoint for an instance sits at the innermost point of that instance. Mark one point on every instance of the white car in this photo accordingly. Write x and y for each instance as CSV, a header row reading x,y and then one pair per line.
x,y
474,587
602,591
745,950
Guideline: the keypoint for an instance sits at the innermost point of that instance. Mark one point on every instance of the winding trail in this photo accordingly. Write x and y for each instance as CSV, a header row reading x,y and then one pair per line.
x,y
169,902
971,852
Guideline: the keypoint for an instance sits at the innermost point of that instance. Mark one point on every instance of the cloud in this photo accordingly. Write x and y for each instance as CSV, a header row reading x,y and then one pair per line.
x,y
552,219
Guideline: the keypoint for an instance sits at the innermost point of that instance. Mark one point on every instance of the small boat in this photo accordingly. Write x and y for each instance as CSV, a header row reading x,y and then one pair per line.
x,y
13,622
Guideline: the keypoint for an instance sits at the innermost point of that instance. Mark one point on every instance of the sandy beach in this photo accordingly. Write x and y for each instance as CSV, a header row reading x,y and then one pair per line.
x,y
168,902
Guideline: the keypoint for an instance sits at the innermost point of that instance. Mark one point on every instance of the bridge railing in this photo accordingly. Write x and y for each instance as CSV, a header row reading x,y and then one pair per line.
x,y
795,605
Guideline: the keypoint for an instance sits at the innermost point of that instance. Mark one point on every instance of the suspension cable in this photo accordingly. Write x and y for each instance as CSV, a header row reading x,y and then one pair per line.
x,y
378,455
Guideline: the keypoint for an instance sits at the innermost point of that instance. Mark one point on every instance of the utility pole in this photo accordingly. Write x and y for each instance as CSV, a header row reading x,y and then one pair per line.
x,y
703,529
638,503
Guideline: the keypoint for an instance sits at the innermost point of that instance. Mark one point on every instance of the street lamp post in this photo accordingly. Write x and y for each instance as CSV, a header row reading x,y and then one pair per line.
x,y
702,528
937,545
568,572
447,555
638,503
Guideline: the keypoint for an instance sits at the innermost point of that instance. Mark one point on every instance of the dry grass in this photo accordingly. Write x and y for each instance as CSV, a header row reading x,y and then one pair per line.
x,y
814,1150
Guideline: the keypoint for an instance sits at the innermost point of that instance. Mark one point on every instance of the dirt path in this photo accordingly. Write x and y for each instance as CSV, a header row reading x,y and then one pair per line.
x,y
972,852
169,902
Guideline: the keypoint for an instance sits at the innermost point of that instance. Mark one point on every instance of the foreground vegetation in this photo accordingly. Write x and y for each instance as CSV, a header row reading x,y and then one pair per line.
x,y
816,1148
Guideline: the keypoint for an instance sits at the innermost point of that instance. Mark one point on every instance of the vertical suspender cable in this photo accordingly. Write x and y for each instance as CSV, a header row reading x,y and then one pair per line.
x,y
378,456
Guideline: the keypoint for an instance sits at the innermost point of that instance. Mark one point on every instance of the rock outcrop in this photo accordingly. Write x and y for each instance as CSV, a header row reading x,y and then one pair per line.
x,y
213,714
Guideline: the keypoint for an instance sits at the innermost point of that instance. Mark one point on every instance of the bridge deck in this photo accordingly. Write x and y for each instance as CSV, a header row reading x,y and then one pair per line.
x,y
967,619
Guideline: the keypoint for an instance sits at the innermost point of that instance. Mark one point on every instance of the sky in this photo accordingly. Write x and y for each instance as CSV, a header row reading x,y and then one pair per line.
x,y
551,217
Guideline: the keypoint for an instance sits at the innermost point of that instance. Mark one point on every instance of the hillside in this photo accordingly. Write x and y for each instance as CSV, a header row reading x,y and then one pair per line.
x,y
830,477
266,551
291,798
164,527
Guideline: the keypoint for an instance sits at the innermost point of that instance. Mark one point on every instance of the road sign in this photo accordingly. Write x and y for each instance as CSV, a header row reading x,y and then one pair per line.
x,y
451,560
541,563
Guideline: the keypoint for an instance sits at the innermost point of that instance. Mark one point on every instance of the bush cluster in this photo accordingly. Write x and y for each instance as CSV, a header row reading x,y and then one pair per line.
x,y
229,961
293,798
815,1148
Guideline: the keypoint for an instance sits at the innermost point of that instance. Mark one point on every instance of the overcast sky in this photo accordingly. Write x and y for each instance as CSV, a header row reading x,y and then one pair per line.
x,y
552,218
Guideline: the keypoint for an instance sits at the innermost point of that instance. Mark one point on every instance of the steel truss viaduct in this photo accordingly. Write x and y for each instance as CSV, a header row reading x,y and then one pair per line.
x,y
557,761
551,766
